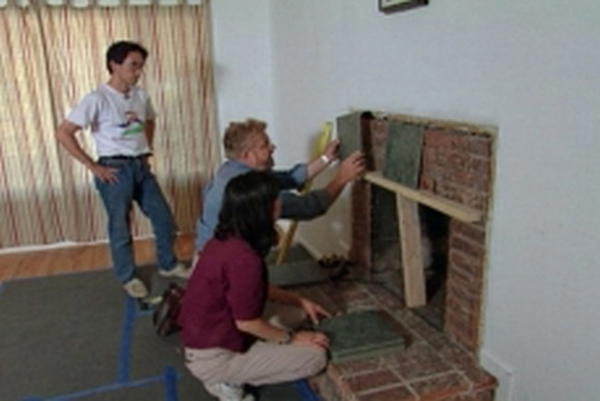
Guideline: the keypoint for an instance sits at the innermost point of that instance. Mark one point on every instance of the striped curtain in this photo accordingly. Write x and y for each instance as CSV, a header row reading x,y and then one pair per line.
x,y
50,57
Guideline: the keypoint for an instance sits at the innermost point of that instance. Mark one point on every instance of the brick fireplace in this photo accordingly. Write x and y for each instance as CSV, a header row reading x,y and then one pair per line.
x,y
453,162
419,236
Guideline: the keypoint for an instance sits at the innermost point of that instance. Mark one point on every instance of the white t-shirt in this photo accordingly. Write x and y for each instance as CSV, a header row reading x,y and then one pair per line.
x,y
116,120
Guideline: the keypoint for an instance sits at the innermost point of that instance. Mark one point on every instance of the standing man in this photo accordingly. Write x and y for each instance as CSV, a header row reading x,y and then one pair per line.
x,y
247,147
121,118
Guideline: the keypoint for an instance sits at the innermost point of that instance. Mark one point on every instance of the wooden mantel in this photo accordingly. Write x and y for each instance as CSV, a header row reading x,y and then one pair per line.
x,y
445,206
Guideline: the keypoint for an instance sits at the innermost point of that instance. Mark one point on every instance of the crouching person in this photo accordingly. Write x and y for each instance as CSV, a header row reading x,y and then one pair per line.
x,y
238,329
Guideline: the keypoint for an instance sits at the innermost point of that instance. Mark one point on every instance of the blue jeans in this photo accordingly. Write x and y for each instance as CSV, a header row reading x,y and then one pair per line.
x,y
135,183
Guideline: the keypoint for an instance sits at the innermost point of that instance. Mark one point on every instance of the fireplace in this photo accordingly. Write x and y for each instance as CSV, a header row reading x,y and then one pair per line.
x,y
440,161
418,252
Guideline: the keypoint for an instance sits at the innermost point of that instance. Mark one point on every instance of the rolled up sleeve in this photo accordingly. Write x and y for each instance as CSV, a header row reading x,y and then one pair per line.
x,y
294,178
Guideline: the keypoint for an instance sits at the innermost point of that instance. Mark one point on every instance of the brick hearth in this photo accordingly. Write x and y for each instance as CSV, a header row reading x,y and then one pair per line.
x,y
431,368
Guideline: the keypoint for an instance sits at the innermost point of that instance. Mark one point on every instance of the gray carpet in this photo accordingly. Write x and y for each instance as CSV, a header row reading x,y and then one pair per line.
x,y
78,337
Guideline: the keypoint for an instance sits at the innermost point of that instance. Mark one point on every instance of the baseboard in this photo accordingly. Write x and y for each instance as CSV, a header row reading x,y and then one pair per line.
x,y
503,372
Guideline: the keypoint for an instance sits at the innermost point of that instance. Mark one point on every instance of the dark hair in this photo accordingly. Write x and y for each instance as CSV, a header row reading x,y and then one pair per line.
x,y
247,210
118,51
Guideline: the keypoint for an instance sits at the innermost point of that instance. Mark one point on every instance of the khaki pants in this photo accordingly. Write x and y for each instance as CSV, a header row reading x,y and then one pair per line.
x,y
263,363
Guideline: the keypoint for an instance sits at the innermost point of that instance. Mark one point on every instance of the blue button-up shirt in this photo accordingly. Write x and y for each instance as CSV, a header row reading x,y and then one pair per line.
x,y
293,205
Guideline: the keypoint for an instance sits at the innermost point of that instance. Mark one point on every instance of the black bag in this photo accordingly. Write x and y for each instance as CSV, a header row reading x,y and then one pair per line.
x,y
166,313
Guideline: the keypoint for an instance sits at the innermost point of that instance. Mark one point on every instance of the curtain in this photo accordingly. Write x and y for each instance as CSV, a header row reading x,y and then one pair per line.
x,y
50,57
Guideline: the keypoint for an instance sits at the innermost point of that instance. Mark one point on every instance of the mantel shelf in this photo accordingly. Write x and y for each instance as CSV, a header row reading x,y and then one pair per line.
x,y
446,206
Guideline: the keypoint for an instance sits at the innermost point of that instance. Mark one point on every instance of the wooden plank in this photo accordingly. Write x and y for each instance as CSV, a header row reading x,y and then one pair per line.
x,y
409,228
285,242
448,207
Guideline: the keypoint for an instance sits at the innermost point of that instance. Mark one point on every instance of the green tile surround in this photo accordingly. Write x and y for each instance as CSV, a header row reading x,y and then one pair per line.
x,y
362,334
403,153
300,272
349,133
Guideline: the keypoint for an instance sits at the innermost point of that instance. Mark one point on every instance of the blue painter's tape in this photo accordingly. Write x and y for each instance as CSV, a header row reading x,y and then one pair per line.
x,y
126,335
142,313
305,392
171,384
104,389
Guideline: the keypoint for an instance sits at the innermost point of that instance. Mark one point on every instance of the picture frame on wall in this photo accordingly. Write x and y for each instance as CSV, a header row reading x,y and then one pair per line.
x,y
392,6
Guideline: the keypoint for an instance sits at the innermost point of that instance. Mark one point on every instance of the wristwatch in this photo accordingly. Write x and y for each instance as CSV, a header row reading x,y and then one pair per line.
x,y
289,336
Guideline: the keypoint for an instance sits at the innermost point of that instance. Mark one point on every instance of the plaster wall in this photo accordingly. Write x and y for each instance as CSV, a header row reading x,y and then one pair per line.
x,y
243,60
531,69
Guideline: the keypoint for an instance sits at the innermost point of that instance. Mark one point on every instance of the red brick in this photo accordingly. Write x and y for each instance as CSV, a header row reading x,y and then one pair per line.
x,y
437,138
468,269
487,395
470,181
448,191
480,145
471,231
457,356
475,199
393,394
481,379
358,366
427,183
441,160
428,156
474,250
457,161
472,278
479,165
463,259
462,330
372,380
439,387
389,301
465,293
461,142
418,361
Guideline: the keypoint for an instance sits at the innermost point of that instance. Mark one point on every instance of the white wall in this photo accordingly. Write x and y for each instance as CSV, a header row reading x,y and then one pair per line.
x,y
530,68
243,60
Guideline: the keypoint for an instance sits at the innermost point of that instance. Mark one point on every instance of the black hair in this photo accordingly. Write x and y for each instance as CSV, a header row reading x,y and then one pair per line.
x,y
247,210
118,51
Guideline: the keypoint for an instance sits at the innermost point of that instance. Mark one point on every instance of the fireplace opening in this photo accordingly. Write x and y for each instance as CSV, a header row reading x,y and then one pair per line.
x,y
386,256
435,238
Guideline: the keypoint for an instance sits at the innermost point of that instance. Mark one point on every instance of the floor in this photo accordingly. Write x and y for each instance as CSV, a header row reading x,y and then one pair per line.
x,y
76,258
431,368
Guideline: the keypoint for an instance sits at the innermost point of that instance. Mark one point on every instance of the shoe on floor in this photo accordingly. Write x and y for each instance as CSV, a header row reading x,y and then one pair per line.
x,y
179,271
136,288
228,392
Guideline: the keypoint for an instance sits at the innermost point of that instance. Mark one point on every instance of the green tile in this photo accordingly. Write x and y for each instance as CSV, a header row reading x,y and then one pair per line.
x,y
403,153
295,253
361,334
349,133
297,273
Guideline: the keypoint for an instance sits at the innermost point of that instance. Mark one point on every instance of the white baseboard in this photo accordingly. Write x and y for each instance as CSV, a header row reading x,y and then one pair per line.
x,y
503,372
